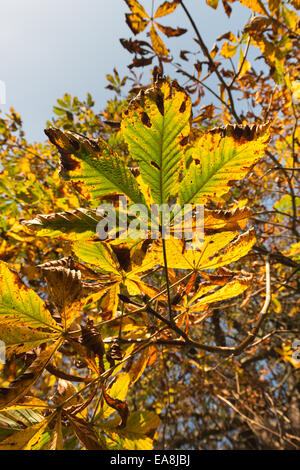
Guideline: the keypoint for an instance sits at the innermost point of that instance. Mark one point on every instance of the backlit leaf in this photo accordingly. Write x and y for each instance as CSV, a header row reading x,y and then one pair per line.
x,y
118,390
171,32
27,438
156,127
93,167
232,289
218,161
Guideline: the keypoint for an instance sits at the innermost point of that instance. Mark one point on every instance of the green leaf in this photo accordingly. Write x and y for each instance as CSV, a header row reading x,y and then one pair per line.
x,y
98,254
118,390
156,128
93,167
134,435
218,161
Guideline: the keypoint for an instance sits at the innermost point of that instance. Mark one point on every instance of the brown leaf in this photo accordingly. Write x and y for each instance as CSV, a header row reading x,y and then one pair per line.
x,y
21,385
137,8
84,432
257,24
56,437
120,406
241,132
114,353
227,8
171,32
138,367
166,8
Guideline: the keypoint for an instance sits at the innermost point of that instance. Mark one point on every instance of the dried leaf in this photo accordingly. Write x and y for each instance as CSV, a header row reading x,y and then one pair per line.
x,y
171,32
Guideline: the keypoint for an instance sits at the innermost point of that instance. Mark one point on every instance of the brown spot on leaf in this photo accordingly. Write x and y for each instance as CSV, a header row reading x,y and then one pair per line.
x,y
145,119
123,256
67,162
184,141
155,165
160,103
182,106
241,132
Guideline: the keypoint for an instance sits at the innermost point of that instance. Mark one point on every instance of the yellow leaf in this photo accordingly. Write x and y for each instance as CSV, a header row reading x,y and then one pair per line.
x,y
179,258
291,17
109,302
239,248
132,286
213,3
209,256
166,8
22,384
28,402
227,220
138,367
218,160
296,91
98,254
274,5
136,23
137,8
118,390
157,43
232,289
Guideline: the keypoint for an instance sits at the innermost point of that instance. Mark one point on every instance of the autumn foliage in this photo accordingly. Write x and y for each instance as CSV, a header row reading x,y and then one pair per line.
x,y
138,343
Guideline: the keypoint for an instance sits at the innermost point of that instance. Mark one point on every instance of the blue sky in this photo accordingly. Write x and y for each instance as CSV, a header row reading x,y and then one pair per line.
x,y
50,47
